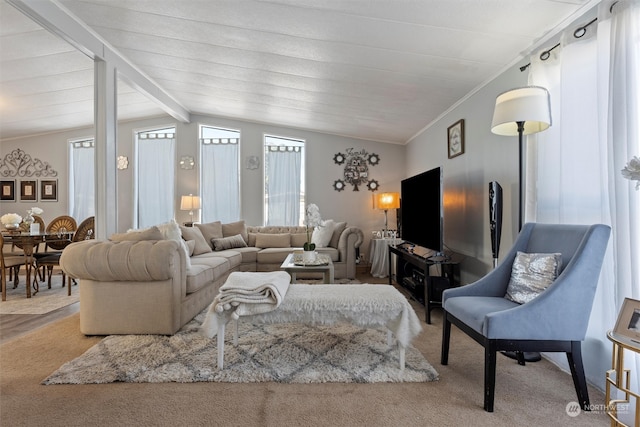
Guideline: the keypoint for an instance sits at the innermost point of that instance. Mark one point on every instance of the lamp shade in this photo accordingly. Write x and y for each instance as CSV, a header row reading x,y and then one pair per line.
x,y
189,202
530,105
388,201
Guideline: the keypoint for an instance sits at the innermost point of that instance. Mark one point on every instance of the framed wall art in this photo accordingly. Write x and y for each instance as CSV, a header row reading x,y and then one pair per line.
x,y
49,190
8,190
628,323
455,139
28,191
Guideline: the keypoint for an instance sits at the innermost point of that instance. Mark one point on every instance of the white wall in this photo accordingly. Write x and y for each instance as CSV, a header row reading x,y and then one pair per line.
x,y
487,158
354,207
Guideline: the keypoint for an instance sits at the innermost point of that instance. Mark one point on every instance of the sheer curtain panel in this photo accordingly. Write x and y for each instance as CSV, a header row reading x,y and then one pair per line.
x,y
594,83
220,182
155,183
82,180
283,172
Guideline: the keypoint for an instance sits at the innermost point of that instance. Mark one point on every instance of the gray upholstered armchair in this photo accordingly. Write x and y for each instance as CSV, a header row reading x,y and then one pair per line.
x,y
554,321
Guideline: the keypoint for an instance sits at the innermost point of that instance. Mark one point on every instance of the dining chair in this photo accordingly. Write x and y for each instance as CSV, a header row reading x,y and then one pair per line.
x,y
17,249
85,231
11,263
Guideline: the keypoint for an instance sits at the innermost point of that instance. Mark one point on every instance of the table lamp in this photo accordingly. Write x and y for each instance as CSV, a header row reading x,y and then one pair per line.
x,y
386,201
189,203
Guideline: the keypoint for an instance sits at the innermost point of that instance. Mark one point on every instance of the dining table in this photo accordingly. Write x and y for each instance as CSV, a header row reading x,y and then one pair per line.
x,y
28,241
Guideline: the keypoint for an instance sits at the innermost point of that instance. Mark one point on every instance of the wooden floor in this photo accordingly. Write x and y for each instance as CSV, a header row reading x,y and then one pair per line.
x,y
15,325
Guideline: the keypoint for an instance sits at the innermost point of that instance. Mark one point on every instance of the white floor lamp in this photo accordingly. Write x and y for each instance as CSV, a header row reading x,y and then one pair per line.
x,y
522,111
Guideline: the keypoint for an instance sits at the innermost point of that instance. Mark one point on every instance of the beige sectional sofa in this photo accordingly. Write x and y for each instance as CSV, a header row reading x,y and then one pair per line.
x,y
154,281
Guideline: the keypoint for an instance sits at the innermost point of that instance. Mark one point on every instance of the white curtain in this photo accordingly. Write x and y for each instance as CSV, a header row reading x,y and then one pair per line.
x,y
594,86
220,185
156,171
82,180
283,172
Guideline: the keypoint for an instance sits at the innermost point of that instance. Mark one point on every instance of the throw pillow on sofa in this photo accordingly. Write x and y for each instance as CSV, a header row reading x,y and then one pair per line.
x,y
268,240
210,231
222,243
298,240
337,232
233,228
323,233
194,233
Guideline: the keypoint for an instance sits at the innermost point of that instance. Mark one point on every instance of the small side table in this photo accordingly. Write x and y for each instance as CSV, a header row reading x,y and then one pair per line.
x,y
379,255
618,377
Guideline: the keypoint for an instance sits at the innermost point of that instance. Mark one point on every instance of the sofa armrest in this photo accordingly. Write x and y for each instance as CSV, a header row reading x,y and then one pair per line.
x,y
132,261
350,239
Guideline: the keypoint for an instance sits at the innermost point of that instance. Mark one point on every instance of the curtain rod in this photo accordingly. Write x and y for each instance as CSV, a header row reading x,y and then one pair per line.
x,y
578,33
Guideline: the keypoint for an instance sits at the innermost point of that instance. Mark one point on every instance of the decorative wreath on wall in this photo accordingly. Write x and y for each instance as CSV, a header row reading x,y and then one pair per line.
x,y
356,169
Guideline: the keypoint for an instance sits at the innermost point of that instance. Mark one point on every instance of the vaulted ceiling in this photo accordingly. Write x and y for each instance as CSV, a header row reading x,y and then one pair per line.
x,y
372,69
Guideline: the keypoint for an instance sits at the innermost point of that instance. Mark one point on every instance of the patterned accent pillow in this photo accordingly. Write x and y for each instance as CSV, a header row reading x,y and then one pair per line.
x,y
222,243
531,274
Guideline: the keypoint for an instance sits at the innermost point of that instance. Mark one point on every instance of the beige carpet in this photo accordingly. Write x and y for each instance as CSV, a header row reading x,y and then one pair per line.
x,y
536,394
45,301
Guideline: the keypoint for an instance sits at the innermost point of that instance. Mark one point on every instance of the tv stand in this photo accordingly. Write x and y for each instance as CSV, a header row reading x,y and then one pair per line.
x,y
412,272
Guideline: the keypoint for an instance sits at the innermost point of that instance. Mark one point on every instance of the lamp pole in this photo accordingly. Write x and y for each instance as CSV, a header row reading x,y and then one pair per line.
x,y
521,183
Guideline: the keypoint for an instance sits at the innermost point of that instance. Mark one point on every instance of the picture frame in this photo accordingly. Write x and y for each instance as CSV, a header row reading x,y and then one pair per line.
x,y
8,190
628,323
455,139
28,191
49,190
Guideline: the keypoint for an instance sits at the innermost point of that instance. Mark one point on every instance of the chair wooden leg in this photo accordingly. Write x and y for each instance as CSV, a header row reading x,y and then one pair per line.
x,y
50,272
446,335
577,372
3,283
489,374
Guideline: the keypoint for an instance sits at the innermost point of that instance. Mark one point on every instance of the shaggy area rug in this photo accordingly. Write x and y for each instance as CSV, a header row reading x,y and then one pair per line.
x,y
285,353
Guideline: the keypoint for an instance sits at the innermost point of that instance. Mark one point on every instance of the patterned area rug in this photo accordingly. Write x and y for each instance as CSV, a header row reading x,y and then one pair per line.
x,y
285,353
45,301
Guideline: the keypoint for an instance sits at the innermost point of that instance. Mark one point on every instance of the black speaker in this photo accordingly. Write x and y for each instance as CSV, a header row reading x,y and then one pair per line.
x,y
495,216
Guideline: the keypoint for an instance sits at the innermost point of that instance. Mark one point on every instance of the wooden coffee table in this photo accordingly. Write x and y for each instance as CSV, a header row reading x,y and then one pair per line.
x,y
322,265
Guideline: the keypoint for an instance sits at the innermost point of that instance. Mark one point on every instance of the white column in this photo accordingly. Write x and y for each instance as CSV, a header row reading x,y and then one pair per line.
x,y
106,126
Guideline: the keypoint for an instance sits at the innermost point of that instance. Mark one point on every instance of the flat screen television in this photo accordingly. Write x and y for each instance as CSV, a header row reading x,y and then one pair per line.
x,y
422,212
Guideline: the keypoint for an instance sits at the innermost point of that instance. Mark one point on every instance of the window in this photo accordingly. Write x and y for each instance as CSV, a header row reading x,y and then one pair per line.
x,y
283,180
155,192
219,174
82,179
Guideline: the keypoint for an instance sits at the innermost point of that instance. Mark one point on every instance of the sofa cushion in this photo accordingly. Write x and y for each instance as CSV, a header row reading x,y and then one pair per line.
x,y
205,270
249,254
151,233
231,242
272,255
266,240
298,239
233,256
211,230
194,233
233,228
337,231
323,233
532,274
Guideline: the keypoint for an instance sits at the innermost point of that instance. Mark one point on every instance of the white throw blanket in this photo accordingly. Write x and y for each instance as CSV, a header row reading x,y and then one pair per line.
x,y
246,294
